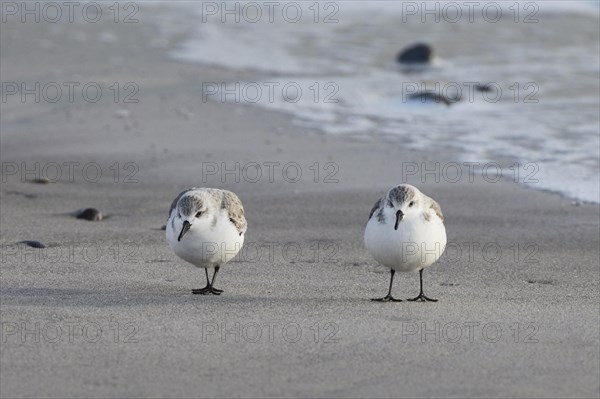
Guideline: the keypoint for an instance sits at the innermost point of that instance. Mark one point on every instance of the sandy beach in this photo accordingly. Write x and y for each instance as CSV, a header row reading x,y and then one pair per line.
x,y
106,310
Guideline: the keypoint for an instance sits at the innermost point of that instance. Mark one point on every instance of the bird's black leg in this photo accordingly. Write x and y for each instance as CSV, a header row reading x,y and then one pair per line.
x,y
209,289
389,297
422,297
214,290
205,290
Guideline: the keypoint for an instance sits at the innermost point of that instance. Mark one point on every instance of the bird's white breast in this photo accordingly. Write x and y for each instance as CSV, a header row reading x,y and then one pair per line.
x,y
208,243
416,244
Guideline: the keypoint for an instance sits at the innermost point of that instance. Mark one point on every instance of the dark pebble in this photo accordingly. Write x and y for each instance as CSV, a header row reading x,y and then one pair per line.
x,y
33,244
164,227
429,97
91,214
39,181
416,54
484,88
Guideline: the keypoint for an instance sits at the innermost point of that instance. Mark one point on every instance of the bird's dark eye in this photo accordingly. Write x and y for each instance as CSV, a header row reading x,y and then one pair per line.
x,y
411,203
199,214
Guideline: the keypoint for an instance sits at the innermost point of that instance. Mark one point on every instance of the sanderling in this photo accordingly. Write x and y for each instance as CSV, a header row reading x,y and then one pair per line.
x,y
206,228
406,233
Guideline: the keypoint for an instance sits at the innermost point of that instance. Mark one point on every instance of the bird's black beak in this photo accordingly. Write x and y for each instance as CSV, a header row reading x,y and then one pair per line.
x,y
184,229
399,216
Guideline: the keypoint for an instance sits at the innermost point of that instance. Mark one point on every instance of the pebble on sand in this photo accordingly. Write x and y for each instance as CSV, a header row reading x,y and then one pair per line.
x,y
418,53
432,97
42,180
91,214
32,243
484,87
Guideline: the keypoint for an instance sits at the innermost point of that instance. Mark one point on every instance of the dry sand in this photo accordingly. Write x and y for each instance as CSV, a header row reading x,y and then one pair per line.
x,y
522,323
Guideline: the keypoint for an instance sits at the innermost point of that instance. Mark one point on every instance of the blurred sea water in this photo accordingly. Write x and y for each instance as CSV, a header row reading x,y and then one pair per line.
x,y
331,65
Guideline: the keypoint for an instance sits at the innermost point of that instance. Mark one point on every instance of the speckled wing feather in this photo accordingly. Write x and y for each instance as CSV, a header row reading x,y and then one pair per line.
x,y
176,200
234,207
436,208
375,207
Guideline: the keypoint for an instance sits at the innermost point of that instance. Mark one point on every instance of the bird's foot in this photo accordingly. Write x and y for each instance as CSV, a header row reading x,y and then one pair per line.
x,y
207,290
422,298
387,298
202,291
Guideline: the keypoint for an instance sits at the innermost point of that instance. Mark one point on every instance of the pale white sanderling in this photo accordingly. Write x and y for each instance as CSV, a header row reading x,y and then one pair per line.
x,y
406,233
206,228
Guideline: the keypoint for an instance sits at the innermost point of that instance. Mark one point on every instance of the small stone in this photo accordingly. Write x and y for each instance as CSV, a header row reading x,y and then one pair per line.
x,y
164,227
419,53
32,243
42,180
484,88
429,97
91,214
